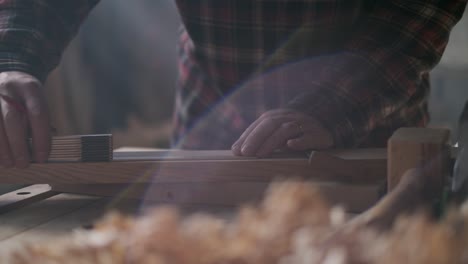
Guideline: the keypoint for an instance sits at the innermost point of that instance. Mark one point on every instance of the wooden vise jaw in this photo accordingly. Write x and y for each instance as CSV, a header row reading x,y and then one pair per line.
x,y
425,148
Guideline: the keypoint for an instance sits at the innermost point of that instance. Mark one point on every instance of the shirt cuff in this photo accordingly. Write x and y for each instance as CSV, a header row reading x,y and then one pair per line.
x,y
23,63
347,95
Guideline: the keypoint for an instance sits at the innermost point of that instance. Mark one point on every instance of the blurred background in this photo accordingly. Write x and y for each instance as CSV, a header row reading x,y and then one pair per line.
x,y
450,79
118,75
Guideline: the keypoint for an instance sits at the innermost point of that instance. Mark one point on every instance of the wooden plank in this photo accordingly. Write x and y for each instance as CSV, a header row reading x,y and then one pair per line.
x,y
129,154
423,148
24,196
355,198
353,168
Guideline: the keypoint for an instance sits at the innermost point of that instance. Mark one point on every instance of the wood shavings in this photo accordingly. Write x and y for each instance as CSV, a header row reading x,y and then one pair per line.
x,y
293,225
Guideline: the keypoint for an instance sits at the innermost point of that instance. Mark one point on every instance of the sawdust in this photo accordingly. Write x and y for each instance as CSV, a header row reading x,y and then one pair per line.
x,y
292,225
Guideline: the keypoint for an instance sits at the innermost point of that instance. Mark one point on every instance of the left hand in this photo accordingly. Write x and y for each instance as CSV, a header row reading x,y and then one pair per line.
x,y
280,128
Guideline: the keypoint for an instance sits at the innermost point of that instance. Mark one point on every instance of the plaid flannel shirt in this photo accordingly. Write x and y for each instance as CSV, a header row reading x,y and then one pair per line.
x,y
358,66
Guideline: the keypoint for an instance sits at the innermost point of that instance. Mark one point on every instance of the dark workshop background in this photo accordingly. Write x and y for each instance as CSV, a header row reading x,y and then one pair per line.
x,y
118,75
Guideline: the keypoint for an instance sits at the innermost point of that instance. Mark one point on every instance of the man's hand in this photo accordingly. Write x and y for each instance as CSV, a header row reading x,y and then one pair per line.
x,y
282,128
24,114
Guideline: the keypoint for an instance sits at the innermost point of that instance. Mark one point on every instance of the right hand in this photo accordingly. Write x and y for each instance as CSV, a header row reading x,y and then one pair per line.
x,y
285,128
17,124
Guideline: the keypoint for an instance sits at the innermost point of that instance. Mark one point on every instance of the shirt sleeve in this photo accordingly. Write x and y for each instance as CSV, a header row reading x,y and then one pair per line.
x,y
33,33
381,68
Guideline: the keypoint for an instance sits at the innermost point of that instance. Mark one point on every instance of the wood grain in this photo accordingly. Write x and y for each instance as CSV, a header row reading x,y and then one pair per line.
x,y
353,168
354,198
423,148
139,154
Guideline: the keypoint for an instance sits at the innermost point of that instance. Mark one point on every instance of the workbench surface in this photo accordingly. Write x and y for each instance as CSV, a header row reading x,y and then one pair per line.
x,y
36,213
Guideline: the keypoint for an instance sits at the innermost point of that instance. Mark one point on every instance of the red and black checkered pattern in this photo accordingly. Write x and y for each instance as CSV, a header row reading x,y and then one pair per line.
x,y
359,66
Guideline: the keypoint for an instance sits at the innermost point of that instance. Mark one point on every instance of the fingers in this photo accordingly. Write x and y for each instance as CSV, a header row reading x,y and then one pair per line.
x,y
279,138
257,137
282,127
313,137
5,156
23,110
39,122
254,137
14,123
238,145
251,138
